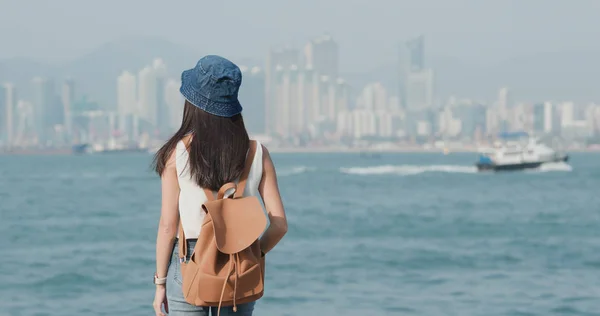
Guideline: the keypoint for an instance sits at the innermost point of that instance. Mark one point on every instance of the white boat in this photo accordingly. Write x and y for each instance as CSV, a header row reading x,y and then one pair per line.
x,y
524,153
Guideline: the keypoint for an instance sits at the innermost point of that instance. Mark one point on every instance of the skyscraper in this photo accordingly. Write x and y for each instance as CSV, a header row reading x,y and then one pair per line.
x,y
126,93
543,118
416,79
419,90
322,55
327,98
42,108
174,102
147,95
281,113
252,97
415,53
277,60
11,102
161,115
68,98
4,118
342,96
126,101
311,95
375,97
504,103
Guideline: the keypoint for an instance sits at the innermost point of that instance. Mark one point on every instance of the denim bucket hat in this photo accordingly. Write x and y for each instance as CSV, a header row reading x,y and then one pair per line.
x,y
213,86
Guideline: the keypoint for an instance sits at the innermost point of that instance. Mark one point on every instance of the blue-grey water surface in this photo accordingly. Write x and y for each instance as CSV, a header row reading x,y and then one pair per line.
x,y
402,234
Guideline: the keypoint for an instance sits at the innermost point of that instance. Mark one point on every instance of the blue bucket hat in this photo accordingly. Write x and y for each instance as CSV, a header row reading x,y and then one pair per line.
x,y
213,86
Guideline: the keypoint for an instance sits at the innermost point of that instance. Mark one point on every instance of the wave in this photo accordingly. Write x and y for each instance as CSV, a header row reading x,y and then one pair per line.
x,y
554,166
62,279
295,170
407,170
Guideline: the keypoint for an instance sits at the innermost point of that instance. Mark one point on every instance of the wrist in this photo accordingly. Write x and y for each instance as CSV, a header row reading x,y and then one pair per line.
x,y
159,281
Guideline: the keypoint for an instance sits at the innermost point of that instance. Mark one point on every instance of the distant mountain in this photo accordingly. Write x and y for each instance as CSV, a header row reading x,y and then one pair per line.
x,y
95,73
561,76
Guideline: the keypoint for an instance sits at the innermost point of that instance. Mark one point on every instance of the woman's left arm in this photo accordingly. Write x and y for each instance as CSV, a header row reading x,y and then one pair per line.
x,y
167,229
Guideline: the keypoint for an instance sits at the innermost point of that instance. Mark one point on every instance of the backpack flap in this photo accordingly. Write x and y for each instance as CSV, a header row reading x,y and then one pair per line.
x,y
237,222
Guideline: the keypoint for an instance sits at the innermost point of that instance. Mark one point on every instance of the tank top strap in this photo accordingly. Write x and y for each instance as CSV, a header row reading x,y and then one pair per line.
x,y
181,157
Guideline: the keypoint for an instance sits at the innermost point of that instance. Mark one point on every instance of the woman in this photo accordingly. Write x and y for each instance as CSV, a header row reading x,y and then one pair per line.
x,y
207,151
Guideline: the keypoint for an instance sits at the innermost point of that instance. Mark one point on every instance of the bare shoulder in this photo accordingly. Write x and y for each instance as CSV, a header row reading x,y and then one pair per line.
x,y
265,151
186,140
268,166
172,161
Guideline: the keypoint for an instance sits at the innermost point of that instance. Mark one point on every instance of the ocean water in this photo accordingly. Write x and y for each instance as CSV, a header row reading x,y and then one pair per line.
x,y
402,234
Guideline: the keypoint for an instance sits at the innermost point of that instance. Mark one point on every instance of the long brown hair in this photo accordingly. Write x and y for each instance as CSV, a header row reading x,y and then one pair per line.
x,y
217,149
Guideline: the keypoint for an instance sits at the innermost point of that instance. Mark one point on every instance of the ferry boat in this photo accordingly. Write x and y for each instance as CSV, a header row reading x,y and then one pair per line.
x,y
524,153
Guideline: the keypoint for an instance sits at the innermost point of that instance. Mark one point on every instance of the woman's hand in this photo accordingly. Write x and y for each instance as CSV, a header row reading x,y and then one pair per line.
x,y
160,299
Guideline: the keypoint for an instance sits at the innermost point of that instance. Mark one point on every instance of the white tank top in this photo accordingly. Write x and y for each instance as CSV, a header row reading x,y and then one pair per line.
x,y
192,196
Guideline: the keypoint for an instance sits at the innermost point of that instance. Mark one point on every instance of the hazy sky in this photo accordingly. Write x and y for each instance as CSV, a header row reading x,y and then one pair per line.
x,y
368,32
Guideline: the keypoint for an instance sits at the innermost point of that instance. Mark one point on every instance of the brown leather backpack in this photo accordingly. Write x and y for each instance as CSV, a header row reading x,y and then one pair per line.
x,y
226,266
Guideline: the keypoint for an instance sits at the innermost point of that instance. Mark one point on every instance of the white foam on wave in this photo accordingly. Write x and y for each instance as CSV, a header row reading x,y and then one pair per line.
x,y
294,171
406,170
554,166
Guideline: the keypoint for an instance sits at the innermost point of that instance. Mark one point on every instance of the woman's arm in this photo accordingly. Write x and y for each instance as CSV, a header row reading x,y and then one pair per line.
x,y
269,192
169,217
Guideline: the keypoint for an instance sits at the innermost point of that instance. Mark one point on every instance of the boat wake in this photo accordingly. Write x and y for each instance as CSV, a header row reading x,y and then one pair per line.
x,y
295,170
407,170
553,166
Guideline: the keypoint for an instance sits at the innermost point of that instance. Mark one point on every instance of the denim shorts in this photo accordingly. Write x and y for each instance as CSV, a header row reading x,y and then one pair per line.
x,y
177,304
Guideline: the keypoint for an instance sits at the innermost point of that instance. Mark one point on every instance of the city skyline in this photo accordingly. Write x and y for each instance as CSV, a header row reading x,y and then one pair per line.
x,y
299,97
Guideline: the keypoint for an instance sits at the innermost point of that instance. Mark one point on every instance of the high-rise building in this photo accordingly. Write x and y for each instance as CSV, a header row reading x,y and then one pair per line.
x,y
126,93
342,96
374,97
308,86
252,97
175,103
419,90
472,117
44,116
416,79
327,99
505,102
344,124
25,129
311,96
543,118
415,54
10,105
385,127
281,113
394,104
321,54
161,116
276,62
567,114
364,123
68,98
295,106
4,118
147,95
127,105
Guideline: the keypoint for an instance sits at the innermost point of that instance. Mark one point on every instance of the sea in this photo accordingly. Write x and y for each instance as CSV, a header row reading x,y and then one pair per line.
x,y
394,234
